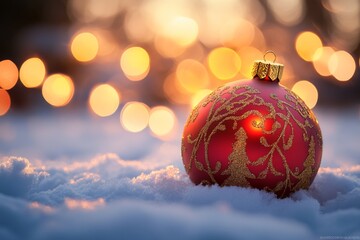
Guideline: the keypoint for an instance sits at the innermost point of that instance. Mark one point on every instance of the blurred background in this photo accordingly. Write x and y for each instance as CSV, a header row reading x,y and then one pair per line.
x,y
143,65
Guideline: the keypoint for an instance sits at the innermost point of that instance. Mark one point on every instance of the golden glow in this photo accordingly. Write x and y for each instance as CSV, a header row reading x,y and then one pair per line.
x,y
321,62
288,13
306,45
84,204
167,48
224,63
174,91
198,96
104,100
248,56
134,116
84,47
58,90
135,63
5,102
307,92
32,72
137,27
233,33
253,125
342,65
182,30
162,121
9,74
192,75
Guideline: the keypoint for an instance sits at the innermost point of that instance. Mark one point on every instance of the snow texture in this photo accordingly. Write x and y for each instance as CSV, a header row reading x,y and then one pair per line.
x,y
147,195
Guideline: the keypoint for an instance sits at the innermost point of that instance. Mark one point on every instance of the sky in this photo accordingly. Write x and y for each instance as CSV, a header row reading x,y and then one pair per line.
x,y
55,192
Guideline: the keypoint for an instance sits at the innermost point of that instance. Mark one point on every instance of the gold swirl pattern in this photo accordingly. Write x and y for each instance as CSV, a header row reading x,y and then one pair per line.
x,y
227,108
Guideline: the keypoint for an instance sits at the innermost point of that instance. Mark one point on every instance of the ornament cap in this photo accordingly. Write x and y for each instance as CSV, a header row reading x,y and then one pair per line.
x,y
268,70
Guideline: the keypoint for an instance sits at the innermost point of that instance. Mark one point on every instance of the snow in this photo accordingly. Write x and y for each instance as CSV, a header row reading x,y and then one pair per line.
x,y
80,177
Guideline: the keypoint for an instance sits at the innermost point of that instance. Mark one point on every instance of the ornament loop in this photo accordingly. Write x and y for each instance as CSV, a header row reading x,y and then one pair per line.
x,y
267,52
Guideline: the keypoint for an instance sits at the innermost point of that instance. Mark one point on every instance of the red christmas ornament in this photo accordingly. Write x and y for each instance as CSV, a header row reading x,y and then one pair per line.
x,y
253,133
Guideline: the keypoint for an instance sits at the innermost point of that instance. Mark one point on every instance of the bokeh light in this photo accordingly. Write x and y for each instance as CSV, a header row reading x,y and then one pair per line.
x,y
307,92
192,75
104,100
232,34
9,74
134,116
288,13
58,90
198,96
306,45
5,102
162,121
342,65
32,72
135,63
321,62
248,55
84,46
173,90
167,48
182,30
224,63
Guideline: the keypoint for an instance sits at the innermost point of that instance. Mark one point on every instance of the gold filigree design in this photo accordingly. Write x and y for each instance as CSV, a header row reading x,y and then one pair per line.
x,y
238,170
223,108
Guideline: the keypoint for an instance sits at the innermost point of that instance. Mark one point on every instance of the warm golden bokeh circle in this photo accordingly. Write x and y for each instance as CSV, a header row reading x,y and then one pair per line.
x,y
162,121
306,45
135,63
5,102
224,63
84,46
134,116
32,72
58,90
307,92
9,74
104,100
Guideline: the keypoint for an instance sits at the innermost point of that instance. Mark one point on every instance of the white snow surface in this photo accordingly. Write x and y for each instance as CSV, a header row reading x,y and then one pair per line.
x,y
80,177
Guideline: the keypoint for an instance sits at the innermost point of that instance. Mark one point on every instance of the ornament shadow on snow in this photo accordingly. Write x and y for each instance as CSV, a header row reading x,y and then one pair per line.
x,y
253,133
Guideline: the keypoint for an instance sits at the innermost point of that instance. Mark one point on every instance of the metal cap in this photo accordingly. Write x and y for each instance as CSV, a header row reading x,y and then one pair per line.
x,y
267,70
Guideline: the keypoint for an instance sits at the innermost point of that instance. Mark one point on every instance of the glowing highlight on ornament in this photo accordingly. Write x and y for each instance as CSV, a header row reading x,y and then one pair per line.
x,y
32,72
253,126
306,45
342,66
9,74
192,75
162,121
84,47
5,102
321,62
58,90
224,63
135,63
104,100
307,92
134,116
